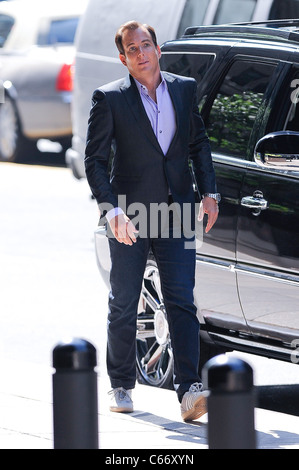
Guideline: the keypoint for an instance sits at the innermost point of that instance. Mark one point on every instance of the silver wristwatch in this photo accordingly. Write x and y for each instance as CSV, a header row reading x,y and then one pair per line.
x,y
215,196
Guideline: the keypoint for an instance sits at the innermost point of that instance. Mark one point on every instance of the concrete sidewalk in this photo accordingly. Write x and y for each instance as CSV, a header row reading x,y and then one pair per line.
x,y
26,417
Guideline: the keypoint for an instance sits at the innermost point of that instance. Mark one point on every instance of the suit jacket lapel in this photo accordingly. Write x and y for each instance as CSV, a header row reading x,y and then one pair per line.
x,y
176,98
134,101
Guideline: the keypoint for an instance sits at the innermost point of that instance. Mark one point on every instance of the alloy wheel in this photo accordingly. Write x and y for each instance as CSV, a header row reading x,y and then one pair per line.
x,y
154,357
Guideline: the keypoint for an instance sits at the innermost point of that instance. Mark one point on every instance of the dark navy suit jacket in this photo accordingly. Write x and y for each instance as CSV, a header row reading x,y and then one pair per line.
x,y
140,170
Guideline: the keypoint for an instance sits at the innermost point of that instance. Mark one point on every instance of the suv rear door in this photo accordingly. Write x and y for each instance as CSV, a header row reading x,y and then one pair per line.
x,y
231,117
267,241
216,292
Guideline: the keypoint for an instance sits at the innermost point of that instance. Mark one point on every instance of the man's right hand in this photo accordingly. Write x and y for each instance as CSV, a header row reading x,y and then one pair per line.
x,y
123,229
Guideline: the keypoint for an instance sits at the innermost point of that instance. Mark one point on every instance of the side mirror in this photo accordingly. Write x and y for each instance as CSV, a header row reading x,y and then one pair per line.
x,y
278,150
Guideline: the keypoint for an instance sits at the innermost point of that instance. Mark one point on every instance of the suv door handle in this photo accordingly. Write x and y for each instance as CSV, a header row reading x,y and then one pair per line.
x,y
255,202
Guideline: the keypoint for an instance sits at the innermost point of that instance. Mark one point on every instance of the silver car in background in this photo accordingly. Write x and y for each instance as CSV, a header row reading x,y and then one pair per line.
x,y
36,73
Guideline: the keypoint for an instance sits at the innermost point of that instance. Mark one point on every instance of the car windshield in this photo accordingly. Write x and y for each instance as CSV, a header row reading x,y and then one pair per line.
x,y
6,23
60,31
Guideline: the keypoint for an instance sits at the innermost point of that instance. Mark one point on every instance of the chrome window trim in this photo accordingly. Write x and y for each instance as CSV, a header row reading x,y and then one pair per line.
x,y
249,165
292,280
189,53
280,277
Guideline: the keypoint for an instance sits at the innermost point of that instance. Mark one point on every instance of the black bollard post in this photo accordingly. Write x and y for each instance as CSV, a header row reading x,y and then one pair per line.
x,y
75,397
230,401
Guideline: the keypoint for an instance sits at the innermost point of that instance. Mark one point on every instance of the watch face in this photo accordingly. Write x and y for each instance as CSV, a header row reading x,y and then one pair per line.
x,y
215,196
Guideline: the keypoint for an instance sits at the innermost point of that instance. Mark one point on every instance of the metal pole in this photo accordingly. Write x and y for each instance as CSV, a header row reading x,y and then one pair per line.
x,y
230,400
75,397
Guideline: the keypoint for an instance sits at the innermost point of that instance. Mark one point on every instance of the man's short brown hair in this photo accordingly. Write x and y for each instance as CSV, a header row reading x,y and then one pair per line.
x,y
132,25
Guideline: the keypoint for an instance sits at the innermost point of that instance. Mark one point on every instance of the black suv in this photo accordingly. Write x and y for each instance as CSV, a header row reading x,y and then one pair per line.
x,y
247,277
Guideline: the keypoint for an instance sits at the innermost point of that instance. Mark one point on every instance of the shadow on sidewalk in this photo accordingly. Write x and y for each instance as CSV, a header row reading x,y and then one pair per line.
x,y
193,432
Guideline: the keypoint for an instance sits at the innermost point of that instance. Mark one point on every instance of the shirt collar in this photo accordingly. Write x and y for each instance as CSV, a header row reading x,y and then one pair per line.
x,y
143,89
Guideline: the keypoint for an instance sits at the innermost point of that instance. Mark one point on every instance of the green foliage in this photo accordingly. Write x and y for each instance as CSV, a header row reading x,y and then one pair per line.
x,y
231,121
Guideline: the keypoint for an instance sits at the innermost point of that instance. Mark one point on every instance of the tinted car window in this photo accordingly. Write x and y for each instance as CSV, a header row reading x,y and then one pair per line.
x,y
6,23
292,121
60,31
285,9
236,106
189,65
231,11
193,14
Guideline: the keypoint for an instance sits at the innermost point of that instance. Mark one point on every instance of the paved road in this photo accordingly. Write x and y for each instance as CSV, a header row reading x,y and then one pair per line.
x,y
50,285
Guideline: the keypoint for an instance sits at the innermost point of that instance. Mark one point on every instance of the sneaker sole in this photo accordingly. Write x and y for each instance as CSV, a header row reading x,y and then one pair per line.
x,y
198,410
119,409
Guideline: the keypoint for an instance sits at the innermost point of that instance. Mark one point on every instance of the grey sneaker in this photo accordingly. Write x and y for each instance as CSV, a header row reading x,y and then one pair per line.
x,y
121,400
194,403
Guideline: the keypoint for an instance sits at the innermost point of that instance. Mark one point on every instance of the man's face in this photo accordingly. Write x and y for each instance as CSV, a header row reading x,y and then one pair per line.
x,y
141,55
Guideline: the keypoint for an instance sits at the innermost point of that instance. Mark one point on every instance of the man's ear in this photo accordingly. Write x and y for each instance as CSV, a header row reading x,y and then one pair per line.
x,y
159,52
122,58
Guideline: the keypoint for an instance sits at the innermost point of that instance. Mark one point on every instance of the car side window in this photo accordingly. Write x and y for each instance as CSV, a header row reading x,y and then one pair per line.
x,y
193,14
190,65
236,106
285,9
232,11
60,31
292,120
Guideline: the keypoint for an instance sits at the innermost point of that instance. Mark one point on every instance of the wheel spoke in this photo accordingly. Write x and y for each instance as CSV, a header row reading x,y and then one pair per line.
x,y
151,284
153,360
154,355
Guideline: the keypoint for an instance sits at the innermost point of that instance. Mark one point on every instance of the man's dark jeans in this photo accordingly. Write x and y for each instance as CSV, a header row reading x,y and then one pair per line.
x,y
176,263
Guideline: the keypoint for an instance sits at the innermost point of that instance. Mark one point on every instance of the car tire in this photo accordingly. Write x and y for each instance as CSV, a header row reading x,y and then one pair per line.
x,y
154,356
14,147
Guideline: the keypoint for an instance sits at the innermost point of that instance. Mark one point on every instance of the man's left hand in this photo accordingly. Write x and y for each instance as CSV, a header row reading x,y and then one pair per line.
x,y
210,207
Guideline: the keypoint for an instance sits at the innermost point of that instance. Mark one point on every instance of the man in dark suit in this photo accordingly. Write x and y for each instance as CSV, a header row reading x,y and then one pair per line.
x,y
150,119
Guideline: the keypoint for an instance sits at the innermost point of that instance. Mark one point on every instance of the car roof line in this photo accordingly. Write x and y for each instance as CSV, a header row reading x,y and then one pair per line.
x,y
249,30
